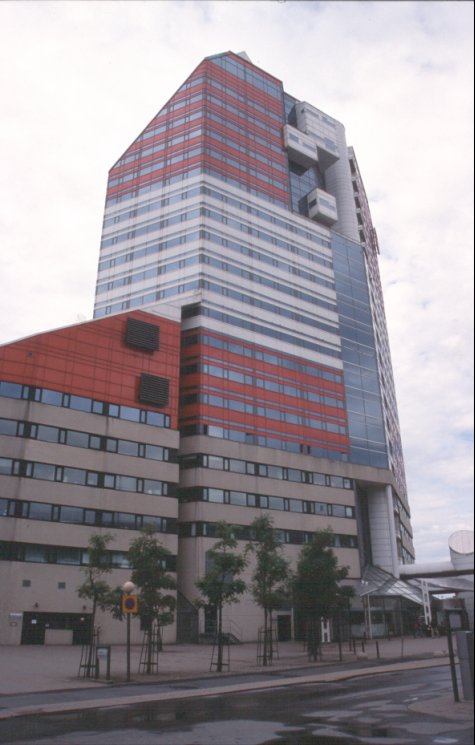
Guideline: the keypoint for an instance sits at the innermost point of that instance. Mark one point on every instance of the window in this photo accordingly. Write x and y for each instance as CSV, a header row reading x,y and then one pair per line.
x,y
127,483
47,434
80,403
154,487
6,465
72,515
8,427
73,475
126,520
39,511
237,497
215,495
77,439
44,471
127,447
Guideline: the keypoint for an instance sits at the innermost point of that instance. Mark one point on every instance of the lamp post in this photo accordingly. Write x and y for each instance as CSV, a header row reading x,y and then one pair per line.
x,y
128,589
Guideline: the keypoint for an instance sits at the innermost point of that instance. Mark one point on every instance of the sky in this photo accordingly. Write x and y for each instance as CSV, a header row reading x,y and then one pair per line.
x,y
79,80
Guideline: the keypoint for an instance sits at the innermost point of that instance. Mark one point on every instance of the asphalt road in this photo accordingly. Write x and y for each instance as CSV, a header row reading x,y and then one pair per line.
x,y
382,709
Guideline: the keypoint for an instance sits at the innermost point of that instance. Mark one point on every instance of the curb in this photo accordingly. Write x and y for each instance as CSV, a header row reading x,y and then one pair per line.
x,y
219,690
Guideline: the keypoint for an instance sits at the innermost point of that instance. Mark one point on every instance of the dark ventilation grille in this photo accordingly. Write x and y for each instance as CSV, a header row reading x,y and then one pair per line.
x,y
142,334
154,390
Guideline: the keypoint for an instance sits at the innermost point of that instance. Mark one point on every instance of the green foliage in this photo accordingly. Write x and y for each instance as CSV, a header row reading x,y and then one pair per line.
x,y
221,584
316,585
94,588
271,573
157,600
270,578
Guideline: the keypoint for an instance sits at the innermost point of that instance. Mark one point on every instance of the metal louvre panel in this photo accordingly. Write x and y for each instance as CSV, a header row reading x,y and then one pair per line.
x,y
154,390
142,334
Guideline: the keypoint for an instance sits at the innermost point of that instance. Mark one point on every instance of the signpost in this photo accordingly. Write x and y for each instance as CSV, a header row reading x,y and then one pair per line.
x,y
129,605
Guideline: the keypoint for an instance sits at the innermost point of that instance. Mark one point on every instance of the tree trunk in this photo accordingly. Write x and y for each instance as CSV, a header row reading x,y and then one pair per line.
x,y
220,639
264,656
89,663
149,647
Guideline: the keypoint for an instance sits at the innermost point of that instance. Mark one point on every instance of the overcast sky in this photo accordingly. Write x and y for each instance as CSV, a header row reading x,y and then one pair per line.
x,y
79,81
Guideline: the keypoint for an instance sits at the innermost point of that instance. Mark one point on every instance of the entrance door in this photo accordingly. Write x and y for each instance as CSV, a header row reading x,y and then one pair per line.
x,y
34,625
33,629
284,628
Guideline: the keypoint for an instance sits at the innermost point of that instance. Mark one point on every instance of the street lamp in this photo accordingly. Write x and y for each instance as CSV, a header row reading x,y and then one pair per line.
x,y
128,589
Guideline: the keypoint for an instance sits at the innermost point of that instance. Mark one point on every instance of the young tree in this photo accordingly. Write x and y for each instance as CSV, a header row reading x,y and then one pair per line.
x,y
316,585
270,577
94,588
221,585
157,602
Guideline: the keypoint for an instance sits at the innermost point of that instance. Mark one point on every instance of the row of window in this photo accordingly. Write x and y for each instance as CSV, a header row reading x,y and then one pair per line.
x,y
174,198
159,164
183,262
237,144
136,232
235,465
153,273
264,501
169,124
150,250
271,259
75,438
235,347
274,333
246,533
279,415
277,310
248,74
135,192
144,155
156,146
250,135
45,554
251,438
259,174
83,477
82,403
273,240
186,173
235,90
139,301
314,237
60,513
243,116
271,194
269,384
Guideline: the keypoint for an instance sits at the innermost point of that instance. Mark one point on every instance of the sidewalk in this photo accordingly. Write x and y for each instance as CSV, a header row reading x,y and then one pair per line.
x,y
49,668
34,671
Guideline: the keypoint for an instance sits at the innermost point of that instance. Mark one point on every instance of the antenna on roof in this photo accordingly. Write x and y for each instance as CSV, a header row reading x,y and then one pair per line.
x,y
244,56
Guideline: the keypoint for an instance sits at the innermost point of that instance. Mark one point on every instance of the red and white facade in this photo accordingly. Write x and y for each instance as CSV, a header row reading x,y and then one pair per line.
x,y
240,211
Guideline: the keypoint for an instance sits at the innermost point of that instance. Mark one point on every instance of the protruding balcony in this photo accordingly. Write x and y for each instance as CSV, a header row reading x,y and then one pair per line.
x,y
301,149
322,207
321,129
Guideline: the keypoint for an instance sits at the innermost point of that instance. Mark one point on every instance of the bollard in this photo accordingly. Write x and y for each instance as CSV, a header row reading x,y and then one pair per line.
x,y
377,650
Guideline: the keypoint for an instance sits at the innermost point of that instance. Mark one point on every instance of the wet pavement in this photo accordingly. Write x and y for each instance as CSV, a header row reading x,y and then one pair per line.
x,y
292,702
387,709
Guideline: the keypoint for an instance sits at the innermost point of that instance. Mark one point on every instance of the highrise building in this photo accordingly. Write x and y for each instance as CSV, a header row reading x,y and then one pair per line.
x,y
238,221
244,206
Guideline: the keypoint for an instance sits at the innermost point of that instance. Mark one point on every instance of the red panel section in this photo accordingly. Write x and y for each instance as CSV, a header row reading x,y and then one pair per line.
x,y
92,359
214,94
311,380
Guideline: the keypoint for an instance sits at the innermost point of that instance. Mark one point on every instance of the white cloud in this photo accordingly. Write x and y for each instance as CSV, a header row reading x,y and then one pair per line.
x,y
78,82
